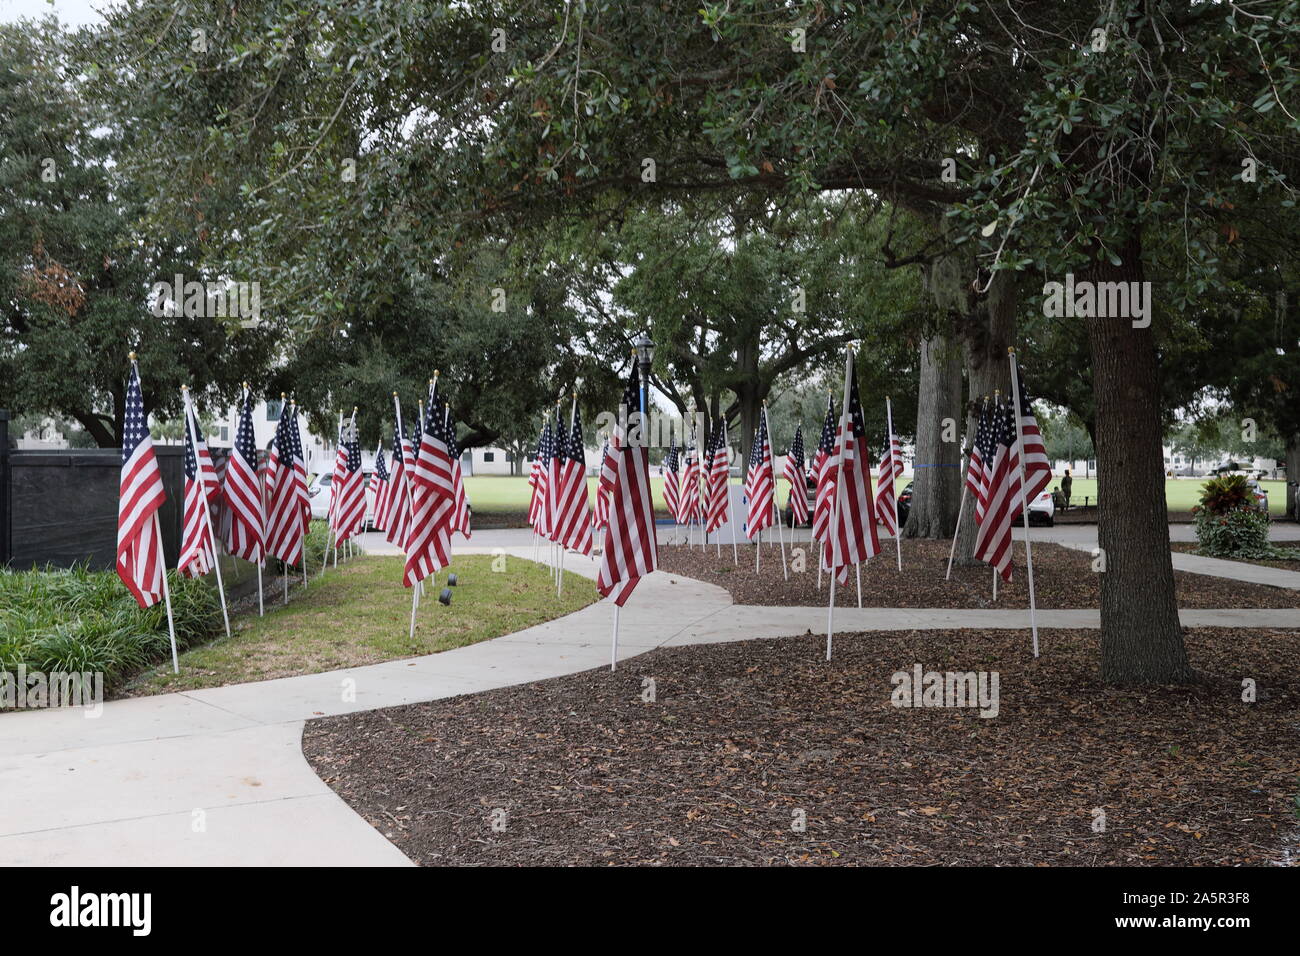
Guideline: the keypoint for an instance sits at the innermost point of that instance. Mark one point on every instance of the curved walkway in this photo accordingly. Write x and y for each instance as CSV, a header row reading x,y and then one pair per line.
x,y
217,776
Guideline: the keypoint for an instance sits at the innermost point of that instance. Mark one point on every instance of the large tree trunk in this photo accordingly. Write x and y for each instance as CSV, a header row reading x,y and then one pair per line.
x,y
1293,477
988,331
936,486
1141,640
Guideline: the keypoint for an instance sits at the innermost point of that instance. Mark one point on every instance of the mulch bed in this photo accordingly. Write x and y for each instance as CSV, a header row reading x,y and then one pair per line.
x,y
1189,547
741,737
1063,578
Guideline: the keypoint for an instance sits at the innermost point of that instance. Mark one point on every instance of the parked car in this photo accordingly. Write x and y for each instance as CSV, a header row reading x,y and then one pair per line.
x,y
1042,510
318,493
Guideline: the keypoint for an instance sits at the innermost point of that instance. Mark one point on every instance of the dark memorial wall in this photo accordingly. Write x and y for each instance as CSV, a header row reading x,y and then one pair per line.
x,y
63,506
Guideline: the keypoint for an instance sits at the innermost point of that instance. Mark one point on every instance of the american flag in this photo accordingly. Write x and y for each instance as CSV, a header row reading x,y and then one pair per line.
x,y
197,557
379,490
432,497
399,495
688,491
460,501
572,503
1038,469
540,476
852,537
793,473
760,481
975,477
290,509
1001,490
672,478
140,494
823,482
718,480
243,492
891,469
603,488
630,549
339,475
555,478
350,504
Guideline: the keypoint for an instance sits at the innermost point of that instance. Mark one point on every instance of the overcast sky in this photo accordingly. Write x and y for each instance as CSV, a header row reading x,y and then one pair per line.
x,y
70,12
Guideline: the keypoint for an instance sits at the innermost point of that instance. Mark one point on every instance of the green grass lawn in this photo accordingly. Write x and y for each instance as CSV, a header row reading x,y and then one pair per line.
x,y
491,494
360,613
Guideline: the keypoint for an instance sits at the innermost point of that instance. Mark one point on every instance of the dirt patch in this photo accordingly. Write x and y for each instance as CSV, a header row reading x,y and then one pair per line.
x,y
1063,578
744,741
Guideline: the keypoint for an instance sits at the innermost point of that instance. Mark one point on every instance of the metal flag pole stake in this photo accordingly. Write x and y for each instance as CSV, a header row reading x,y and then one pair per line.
x,y
613,647
1024,494
207,513
898,531
835,503
858,566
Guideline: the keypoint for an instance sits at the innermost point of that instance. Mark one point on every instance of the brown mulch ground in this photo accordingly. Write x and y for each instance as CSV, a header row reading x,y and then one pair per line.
x,y
1189,547
742,736
1063,578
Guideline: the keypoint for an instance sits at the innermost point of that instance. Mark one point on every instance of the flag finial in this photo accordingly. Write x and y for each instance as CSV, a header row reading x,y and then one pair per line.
x,y
282,396
1011,350
131,356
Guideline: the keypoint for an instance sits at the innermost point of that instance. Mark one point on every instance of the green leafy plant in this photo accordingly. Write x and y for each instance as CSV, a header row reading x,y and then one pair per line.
x,y
1225,494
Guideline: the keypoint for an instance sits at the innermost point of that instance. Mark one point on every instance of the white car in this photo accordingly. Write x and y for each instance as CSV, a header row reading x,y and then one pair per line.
x,y
1042,510
318,492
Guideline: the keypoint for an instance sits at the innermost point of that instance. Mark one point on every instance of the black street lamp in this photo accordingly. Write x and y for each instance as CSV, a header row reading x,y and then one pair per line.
x,y
645,355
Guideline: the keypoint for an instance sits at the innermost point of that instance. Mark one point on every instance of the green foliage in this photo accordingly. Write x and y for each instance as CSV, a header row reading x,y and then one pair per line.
x,y
77,263
1240,533
80,620
1224,494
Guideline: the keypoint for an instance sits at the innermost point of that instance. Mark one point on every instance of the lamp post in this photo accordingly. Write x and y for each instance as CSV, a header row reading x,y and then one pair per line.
x,y
645,355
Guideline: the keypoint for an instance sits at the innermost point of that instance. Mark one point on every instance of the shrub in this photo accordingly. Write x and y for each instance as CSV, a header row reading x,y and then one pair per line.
x,y
1226,494
81,620
1241,533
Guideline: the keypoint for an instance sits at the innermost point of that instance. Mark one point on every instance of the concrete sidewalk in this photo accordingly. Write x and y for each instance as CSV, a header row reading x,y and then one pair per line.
x,y
217,776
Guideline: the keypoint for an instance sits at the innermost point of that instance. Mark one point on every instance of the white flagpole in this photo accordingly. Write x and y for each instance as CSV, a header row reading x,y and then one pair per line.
x,y
261,610
961,508
898,532
835,504
1024,495
731,502
776,512
167,594
858,566
613,647
207,513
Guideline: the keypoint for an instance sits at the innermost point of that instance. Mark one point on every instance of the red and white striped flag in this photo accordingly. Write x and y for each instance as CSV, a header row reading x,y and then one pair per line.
x,y
718,480
852,536
760,482
289,514
197,555
1001,491
349,515
432,500
539,477
460,512
379,491
975,462
891,469
572,503
688,491
793,473
399,495
603,489
1038,469
140,495
630,549
822,480
242,492
672,479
